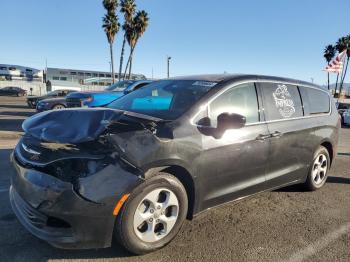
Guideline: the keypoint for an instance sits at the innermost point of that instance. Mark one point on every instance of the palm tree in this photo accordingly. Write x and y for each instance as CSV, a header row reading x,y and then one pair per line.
x,y
346,42
339,46
329,53
134,33
128,8
111,27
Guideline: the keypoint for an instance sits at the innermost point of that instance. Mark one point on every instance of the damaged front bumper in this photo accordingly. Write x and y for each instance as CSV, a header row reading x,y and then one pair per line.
x,y
65,214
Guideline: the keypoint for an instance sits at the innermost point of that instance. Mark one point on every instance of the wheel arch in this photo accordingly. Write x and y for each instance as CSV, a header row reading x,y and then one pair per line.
x,y
186,179
329,146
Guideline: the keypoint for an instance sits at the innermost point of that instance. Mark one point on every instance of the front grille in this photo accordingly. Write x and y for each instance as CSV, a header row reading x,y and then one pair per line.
x,y
73,102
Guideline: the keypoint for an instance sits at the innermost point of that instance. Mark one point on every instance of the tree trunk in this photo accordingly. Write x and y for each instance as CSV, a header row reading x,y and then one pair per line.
x,y
342,79
112,62
121,59
130,66
129,60
328,80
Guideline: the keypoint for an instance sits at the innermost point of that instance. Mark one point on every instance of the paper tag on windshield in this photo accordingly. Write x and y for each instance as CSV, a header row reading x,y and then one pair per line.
x,y
204,83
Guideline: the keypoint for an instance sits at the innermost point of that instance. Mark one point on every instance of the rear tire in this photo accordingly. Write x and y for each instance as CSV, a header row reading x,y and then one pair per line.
x,y
58,107
153,214
318,172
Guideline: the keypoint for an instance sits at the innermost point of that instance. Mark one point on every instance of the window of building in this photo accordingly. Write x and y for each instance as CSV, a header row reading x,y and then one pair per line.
x,y
108,75
12,68
101,83
63,78
315,101
101,75
281,101
29,70
241,100
73,73
81,73
55,78
88,74
3,68
95,75
63,72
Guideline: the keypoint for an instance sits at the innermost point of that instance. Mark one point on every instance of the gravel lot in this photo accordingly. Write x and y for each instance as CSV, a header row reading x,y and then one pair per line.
x,y
285,225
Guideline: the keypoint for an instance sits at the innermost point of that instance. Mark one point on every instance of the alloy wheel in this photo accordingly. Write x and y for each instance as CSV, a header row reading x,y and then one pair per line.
x,y
319,169
156,215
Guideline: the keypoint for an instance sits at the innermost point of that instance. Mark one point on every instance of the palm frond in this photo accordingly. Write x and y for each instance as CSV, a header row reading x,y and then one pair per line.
x,y
329,53
110,26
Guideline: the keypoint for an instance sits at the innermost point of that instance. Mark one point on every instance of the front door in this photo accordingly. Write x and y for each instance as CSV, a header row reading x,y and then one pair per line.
x,y
233,165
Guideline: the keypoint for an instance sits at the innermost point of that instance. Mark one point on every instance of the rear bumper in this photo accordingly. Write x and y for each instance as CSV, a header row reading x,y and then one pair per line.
x,y
54,211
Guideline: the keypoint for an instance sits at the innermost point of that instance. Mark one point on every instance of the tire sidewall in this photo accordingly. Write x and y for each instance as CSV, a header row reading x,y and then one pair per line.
x,y
311,182
124,227
54,107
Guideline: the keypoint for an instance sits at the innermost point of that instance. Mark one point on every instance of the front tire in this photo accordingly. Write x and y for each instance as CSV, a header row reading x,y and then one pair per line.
x,y
153,214
318,172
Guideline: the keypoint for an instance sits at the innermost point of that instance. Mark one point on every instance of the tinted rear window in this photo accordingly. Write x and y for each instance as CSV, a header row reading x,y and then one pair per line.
x,y
315,101
281,101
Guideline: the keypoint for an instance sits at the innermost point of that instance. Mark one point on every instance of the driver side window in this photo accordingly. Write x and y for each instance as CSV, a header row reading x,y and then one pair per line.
x,y
241,99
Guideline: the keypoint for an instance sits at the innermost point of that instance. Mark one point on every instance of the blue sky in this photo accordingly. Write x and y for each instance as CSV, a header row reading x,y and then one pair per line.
x,y
284,38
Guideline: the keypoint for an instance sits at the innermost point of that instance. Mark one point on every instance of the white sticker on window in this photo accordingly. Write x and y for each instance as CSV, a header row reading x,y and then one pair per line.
x,y
283,101
204,83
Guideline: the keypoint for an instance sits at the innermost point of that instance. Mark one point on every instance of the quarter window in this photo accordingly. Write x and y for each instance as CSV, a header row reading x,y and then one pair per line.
x,y
241,100
281,101
315,101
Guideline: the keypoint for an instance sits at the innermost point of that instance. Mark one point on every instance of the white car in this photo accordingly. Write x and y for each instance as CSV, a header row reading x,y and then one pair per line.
x,y
346,117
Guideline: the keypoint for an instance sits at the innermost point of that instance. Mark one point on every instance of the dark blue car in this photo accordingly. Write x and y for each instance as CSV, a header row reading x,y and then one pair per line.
x,y
102,98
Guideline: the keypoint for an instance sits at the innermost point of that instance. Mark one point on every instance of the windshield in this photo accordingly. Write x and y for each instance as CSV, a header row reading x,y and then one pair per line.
x,y
120,86
166,99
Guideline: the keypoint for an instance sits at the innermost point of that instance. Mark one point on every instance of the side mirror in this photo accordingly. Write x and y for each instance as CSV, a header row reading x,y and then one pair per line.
x,y
226,121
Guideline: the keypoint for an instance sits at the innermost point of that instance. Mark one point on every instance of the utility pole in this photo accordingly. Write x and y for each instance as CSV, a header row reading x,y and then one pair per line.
x,y
168,63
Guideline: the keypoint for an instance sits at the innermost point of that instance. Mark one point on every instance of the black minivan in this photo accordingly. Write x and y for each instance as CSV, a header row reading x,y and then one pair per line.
x,y
135,170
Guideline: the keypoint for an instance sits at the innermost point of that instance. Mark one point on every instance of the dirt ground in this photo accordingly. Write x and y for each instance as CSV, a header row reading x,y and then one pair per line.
x,y
284,225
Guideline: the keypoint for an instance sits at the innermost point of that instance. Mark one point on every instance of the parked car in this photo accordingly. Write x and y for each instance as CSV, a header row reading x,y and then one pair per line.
x,y
342,107
12,91
51,104
135,170
346,117
103,98
33,100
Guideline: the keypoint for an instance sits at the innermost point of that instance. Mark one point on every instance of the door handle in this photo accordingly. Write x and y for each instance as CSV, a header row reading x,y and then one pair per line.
x,y
276,134
262,137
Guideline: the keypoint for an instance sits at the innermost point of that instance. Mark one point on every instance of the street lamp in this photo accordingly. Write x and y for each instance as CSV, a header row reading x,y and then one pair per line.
x,y
168,63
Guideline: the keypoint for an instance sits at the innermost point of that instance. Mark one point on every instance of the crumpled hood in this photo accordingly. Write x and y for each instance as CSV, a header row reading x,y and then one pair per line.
x,y
70,126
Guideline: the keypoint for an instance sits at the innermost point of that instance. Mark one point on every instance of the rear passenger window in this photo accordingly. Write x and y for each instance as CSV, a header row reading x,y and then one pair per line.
x,y
281,101
241,99
315,101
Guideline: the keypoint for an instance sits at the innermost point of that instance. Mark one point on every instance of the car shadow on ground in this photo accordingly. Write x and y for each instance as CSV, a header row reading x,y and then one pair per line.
x,y
23,114
300,188
11,125
14,106
338,180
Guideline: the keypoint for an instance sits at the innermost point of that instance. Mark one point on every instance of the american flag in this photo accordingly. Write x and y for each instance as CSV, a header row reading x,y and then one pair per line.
x,y
336,66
